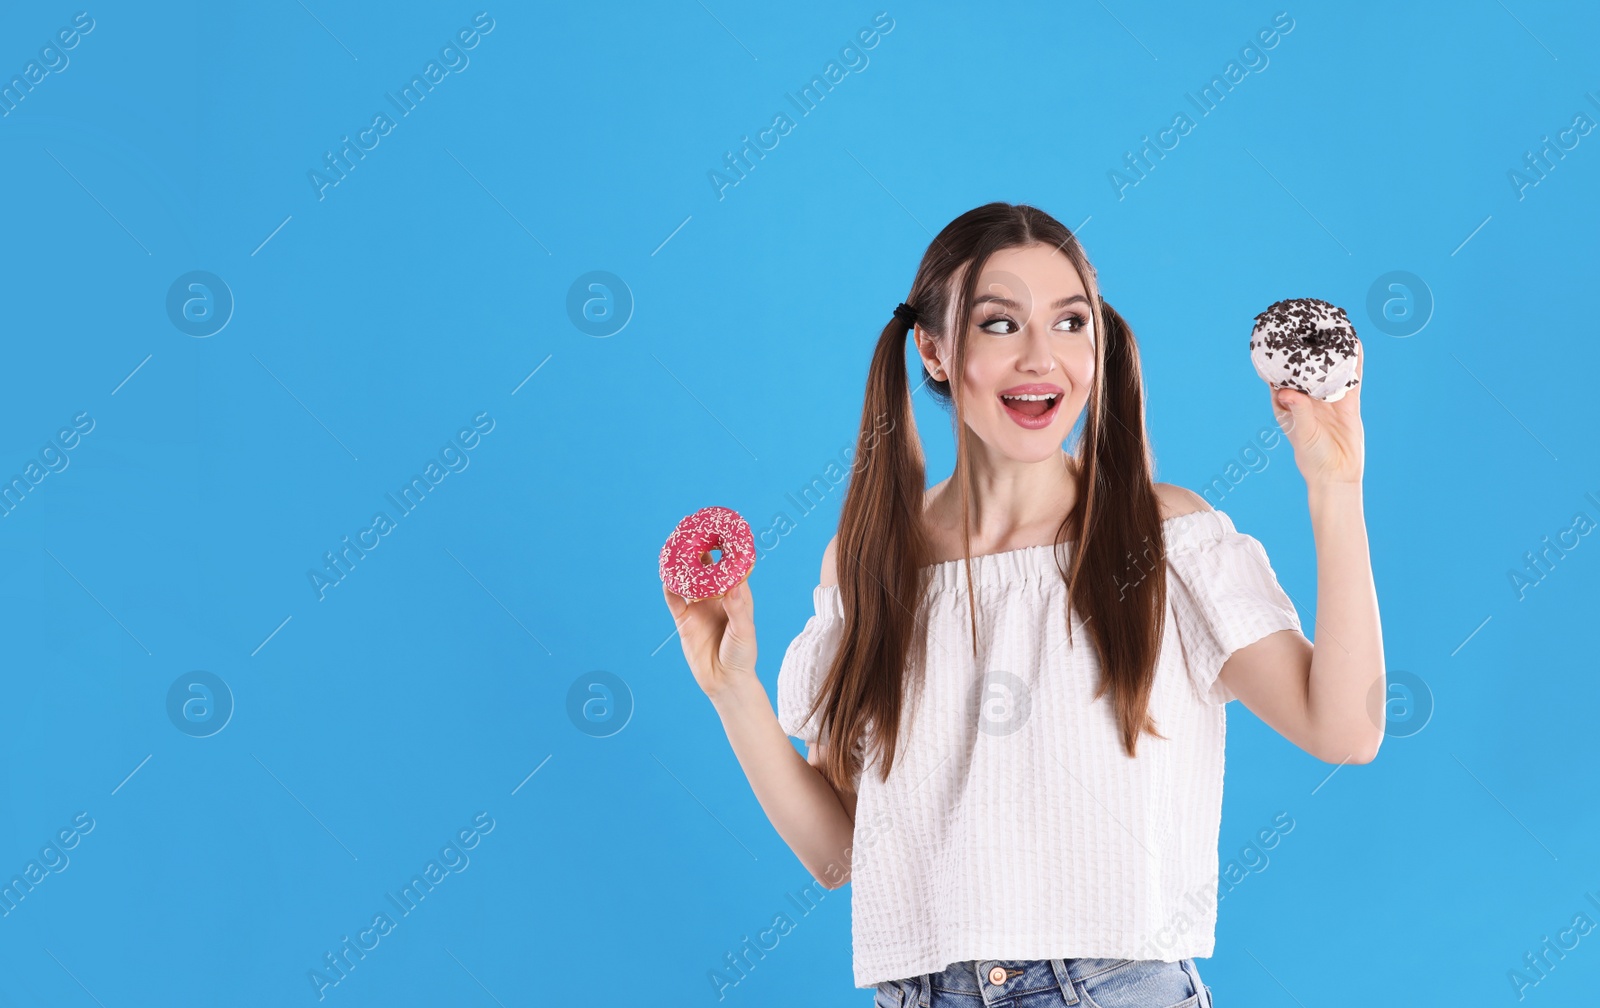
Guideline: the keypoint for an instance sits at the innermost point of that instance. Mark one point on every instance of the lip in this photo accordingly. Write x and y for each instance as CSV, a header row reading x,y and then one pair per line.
x,y
1041,421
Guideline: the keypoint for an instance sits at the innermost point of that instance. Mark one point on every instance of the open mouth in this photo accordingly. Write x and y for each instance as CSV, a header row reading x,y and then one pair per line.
x,y
1035,410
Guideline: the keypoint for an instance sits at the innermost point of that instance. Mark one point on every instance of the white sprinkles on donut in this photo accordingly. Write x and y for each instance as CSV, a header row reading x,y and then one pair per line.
x,y
685,564
1307,345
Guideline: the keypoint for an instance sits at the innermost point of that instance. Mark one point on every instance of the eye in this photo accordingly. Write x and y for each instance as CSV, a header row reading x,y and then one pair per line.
x,y
1074,322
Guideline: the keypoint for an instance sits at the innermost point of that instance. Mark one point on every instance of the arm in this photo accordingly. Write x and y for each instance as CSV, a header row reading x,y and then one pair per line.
x,y
815,821
1330,703
719,642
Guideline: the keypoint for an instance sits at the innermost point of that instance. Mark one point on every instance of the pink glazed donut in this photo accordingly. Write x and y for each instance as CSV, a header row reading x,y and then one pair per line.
x,y
686,566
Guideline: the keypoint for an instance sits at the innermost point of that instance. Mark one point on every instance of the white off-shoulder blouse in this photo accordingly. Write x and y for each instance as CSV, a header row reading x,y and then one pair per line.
x,y
1013,824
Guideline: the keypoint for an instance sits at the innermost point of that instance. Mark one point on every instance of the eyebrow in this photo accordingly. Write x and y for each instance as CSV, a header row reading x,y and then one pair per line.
x,y
997,299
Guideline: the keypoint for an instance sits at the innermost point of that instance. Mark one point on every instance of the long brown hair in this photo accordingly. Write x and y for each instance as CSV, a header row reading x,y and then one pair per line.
x,y
882,546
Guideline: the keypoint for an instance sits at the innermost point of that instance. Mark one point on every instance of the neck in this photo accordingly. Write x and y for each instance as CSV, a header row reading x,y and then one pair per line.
x,y
1011,498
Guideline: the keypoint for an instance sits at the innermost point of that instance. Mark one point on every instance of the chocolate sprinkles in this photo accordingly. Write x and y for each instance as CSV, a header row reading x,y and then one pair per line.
x,y
1308,345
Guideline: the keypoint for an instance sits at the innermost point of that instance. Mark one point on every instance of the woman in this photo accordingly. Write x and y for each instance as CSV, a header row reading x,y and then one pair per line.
x,y
1044,829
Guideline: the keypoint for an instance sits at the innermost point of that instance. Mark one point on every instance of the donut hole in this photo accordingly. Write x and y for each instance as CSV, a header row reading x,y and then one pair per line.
x,y
711,557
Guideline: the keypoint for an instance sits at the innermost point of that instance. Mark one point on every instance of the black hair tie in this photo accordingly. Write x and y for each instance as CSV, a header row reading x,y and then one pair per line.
x,y
905,313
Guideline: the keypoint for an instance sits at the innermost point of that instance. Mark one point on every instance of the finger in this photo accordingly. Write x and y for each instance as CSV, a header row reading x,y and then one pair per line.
x,y
686,619
675,603
1286,404
1279,407
739,638
740,604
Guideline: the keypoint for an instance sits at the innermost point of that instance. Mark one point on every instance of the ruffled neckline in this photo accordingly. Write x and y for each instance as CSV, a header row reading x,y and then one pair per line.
x,y
1024,562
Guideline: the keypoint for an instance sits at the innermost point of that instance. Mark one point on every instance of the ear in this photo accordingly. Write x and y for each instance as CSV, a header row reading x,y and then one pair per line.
x,y
928,350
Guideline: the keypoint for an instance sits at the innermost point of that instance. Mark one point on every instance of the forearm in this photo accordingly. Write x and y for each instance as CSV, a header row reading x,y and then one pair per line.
x,y
802,806
1345,696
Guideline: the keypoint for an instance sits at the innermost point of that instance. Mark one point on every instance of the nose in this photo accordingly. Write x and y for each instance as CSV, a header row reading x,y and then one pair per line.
x,y
1034,351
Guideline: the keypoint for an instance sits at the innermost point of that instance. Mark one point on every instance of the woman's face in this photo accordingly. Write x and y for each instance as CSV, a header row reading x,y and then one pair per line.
x,y
1030,335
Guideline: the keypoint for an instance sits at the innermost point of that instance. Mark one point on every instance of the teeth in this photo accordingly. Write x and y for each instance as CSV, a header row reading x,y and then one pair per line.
x,y
1028,398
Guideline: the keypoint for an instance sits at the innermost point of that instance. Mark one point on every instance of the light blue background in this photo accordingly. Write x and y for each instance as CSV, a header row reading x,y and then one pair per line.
x,y
423,290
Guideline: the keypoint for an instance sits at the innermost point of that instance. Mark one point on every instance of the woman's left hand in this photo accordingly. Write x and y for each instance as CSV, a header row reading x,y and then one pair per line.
x,y
1327,438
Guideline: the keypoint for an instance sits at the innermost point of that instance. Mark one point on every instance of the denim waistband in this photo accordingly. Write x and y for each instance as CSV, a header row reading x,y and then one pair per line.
x,y
977,979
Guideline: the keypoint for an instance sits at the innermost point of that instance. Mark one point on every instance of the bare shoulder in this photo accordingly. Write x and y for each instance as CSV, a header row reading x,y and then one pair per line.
x,y
1175,501
830,565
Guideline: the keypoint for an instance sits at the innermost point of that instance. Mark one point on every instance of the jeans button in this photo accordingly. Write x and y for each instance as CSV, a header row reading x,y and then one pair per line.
x,y
997,975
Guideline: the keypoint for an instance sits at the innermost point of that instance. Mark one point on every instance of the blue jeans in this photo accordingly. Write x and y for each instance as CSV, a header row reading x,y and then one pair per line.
x,y
1051,983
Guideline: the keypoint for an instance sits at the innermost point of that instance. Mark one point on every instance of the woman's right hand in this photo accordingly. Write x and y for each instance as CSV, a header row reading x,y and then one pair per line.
x,y
718,636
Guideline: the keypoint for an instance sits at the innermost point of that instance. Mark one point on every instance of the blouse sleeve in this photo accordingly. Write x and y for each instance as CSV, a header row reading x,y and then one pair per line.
x,y
1226,596
806,663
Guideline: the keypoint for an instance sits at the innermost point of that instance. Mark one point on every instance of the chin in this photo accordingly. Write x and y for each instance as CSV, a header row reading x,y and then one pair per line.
x,y
1028,446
